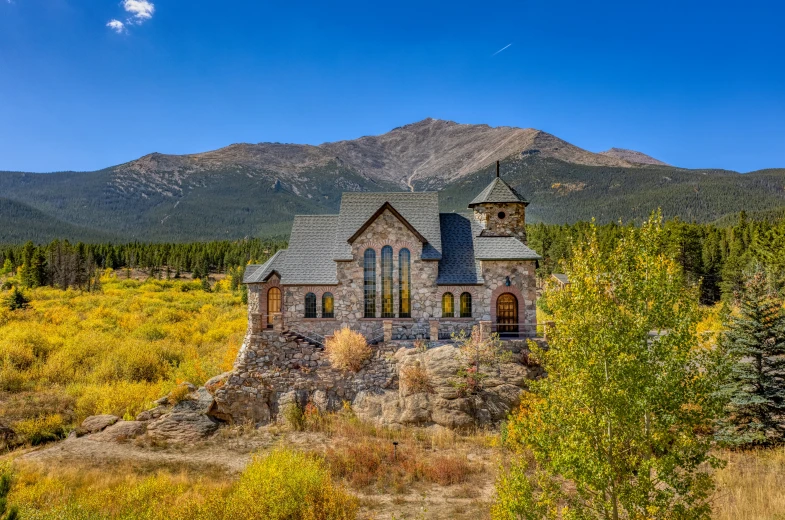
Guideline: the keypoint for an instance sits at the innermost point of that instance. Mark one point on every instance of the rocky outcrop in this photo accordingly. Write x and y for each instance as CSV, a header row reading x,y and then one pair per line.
x,y
444,403
266,380
187,421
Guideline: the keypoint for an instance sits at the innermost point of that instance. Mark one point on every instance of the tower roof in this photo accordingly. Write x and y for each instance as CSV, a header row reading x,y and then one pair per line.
x,y
498,192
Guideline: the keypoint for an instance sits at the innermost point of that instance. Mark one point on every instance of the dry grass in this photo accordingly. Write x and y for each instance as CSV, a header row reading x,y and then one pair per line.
x,y
751,486
280,485
414,379
348,350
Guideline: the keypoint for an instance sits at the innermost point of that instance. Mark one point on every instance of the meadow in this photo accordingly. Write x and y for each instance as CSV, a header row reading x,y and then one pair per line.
x,y
72,354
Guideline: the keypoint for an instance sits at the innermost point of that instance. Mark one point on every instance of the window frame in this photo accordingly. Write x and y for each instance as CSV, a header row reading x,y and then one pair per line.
x,y
404,283
466,305
328,297
388,309
310,306
369,283
448,297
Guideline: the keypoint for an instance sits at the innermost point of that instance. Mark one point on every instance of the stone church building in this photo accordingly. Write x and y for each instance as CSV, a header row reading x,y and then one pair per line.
x,y
392,267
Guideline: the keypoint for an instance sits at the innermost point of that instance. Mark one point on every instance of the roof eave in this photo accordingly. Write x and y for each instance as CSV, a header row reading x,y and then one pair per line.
x,y
389,207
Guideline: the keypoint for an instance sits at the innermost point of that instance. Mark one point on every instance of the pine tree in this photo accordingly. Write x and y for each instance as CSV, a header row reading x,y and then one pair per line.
x,y
17,300
754,342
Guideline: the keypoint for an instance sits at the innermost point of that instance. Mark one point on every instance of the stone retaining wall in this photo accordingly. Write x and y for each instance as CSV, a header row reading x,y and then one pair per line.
x,y
271,372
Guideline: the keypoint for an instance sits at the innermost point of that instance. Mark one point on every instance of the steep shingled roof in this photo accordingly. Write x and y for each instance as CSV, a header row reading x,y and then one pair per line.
x,y
498,191
459,264
255,273
420,209
503,248
453,239
305,262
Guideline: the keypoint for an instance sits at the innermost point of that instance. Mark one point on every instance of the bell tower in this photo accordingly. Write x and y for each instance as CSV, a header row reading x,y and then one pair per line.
x,y
500,210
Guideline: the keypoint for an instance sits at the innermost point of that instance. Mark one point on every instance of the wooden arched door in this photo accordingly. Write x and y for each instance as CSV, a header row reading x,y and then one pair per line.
x,y
273,304
507,315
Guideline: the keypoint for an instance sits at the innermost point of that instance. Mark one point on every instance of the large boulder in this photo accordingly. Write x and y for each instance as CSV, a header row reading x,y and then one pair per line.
x,y
182,427
121,431
97,423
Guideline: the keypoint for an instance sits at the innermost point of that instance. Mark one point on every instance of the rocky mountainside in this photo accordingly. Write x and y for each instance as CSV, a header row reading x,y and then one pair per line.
x,y
431,151
256,189
632,156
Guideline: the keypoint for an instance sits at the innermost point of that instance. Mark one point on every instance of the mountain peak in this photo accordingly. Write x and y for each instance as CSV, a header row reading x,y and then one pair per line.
x,y
632,156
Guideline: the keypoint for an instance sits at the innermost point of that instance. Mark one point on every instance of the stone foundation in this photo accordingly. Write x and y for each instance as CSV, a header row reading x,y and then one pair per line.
x,y
271,372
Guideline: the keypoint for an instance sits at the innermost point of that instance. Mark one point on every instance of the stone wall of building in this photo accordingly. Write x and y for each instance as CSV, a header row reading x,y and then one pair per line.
x,y
512,224
426,296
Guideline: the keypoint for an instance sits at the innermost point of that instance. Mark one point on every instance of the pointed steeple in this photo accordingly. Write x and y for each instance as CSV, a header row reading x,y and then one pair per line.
x,y
498,192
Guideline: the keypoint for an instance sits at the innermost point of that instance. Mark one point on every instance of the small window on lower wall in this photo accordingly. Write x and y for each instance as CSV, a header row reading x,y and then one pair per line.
x,y
327,305
448,305
310,305
466,305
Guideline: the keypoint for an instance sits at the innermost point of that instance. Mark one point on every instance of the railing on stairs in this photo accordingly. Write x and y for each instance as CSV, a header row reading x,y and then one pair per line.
x,y
313,337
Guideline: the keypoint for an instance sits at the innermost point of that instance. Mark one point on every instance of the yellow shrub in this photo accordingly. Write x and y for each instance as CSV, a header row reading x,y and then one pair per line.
x,y
178,394
348,350
287,484
41,429
121,398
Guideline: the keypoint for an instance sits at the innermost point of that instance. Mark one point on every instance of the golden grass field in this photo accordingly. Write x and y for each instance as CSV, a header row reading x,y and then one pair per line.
x,y
74,354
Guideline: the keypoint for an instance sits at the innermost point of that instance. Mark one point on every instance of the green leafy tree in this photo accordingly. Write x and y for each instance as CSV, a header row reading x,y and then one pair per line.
x,y
621,427
754,341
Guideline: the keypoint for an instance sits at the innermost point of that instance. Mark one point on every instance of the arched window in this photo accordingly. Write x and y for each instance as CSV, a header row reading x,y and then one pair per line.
x,y
273,304
310,305
328,310
466,305
369,283
448,305
404,283
387,282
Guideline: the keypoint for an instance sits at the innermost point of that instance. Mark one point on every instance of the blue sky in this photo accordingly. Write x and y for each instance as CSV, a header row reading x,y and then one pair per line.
x,y
694,83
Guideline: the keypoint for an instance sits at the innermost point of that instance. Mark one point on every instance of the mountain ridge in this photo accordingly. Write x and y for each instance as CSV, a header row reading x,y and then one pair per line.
x,y
255,189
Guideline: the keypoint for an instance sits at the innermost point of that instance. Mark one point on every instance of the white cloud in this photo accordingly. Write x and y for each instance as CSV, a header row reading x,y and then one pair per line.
x,y
141,10
116,25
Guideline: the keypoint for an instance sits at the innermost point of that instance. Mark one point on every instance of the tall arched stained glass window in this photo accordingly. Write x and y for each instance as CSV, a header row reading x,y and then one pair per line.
x,y
466,305
448,305
369,283
328,308
404,283
387,282
310,305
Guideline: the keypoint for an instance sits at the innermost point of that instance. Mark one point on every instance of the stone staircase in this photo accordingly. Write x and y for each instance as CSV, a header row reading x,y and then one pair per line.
x,y
301,339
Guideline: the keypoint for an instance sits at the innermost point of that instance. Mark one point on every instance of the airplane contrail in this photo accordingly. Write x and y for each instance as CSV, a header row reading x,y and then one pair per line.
x,y
503,48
